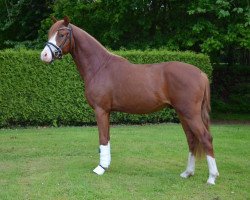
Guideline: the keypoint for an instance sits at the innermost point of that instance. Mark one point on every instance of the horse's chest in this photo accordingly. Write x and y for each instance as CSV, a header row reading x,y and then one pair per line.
x,y
96,96
90,96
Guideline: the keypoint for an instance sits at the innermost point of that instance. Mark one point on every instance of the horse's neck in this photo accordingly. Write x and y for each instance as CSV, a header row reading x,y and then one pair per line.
x,y
88,54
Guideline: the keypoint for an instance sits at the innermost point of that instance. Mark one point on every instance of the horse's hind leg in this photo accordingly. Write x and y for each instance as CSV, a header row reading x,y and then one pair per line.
x,y
191,144
205,139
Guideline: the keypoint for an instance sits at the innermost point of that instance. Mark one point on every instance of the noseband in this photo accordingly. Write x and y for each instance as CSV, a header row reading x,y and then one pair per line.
x,y
57,54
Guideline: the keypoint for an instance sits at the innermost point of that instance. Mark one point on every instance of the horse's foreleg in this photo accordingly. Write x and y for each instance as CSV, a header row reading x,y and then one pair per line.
x,y
102,118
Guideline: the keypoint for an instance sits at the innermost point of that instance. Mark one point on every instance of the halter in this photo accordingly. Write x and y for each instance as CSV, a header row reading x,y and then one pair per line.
x,y
58,52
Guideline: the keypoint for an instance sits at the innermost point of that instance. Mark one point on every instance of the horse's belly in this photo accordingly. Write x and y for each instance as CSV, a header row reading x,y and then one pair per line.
x,y
139,110
143,110
140,105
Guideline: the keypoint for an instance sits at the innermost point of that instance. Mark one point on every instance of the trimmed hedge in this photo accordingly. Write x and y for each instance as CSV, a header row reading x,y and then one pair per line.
x,y
34,93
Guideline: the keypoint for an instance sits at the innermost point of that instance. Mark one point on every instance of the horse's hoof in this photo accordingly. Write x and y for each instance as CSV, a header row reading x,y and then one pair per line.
x,y
186,174
99,170
211,179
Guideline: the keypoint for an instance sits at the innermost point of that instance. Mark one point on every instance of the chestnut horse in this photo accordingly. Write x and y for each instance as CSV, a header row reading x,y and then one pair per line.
x,y
112,83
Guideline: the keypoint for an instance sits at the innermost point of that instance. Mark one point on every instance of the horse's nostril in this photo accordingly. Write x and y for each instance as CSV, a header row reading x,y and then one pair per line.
x,y
45,54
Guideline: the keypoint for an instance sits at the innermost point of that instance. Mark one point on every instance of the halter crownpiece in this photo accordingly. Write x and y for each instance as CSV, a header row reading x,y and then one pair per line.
x,y
57,54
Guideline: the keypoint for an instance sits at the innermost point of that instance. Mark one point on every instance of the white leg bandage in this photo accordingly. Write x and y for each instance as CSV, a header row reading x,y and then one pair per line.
x,y
213,171
105,159
190,166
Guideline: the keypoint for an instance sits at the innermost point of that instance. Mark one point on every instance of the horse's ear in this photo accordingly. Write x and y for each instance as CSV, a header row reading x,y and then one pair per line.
x,y
66,20
53,19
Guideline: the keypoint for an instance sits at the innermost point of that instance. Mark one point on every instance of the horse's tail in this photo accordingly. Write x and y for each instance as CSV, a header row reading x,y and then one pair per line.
x,y
205,107
205,110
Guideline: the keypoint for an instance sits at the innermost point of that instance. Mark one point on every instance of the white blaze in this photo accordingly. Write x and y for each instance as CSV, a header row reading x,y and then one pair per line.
x,y
46,55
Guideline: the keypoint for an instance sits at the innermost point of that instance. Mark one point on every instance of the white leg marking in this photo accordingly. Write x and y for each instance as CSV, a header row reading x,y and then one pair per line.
x,y
213,171
190,166
105,159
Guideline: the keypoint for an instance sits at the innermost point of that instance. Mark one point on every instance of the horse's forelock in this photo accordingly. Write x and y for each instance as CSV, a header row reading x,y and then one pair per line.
x,y
55,27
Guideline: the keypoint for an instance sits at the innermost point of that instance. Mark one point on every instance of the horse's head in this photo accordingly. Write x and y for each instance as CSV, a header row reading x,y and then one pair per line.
x,y
60,40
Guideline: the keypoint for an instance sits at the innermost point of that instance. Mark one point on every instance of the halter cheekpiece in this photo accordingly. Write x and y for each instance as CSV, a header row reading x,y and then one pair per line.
x,y
57,54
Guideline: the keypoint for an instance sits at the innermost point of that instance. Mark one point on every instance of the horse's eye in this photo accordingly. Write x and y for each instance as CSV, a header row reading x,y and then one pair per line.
x,y
61,35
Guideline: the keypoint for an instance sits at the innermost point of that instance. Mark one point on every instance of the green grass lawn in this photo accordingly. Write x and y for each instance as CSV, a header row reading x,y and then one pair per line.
x,y
57,163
